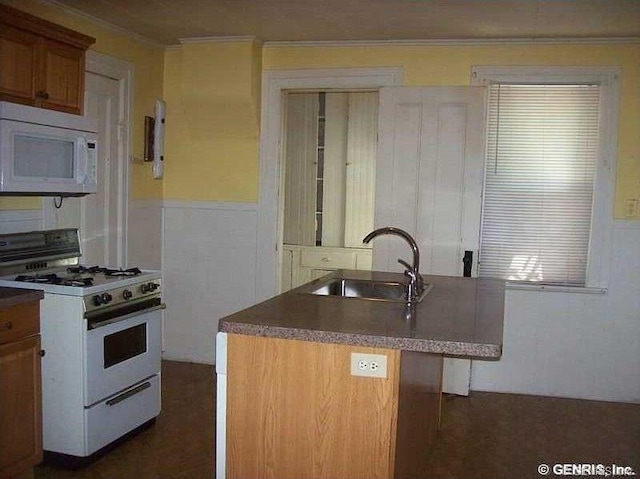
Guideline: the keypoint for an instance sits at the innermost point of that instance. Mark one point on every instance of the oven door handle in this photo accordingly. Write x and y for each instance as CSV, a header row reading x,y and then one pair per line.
x,y
117,319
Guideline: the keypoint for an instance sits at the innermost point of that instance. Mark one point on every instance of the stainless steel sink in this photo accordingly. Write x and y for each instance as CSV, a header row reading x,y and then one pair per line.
x,y
365,289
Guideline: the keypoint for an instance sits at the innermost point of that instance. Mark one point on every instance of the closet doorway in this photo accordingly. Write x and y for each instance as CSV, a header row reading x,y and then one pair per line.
x,y
328,182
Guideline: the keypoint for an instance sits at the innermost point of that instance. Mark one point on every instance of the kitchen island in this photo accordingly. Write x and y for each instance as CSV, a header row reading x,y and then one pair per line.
x,y
296,398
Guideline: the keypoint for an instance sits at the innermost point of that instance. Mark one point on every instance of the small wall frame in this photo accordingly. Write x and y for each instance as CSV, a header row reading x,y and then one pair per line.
x,y
149,136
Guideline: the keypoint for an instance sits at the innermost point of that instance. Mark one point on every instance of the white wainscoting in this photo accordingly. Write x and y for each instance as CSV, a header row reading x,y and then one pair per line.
x,y
209,264
17,221
574,345
144,234
555,344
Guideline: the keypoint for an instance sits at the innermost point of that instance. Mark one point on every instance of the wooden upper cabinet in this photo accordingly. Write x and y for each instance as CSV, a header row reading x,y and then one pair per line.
x,y
41,63
17,64
62,76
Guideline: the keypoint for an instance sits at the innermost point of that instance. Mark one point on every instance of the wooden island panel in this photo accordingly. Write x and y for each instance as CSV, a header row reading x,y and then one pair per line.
x,y
419,407
295,411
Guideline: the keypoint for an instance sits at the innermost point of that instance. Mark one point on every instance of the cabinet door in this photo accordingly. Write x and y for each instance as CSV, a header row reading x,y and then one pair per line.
x,y
20,406
61,77
17,65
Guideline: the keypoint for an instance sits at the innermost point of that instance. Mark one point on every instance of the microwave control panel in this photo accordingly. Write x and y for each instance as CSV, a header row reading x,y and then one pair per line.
x,y
92,162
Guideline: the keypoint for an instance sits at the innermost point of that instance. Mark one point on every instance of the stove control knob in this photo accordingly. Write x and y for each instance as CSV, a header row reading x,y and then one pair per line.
x,y
127,294
148,288
97,300
106,298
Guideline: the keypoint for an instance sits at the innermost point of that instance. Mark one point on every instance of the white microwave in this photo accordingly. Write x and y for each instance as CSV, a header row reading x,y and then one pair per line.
x,y
45,152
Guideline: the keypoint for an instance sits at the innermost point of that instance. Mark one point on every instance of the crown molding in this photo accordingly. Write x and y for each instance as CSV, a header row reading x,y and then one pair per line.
x,y
453,42
98,21
222,39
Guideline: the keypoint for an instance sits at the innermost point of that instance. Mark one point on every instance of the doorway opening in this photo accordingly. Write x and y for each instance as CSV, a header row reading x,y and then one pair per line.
x,y
270,209
328,182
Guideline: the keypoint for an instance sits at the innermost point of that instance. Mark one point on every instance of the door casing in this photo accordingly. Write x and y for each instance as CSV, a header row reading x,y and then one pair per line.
x,y
122,72
270,208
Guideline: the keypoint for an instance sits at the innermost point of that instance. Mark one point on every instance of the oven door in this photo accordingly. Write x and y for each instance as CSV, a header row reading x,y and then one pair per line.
x,y
122,347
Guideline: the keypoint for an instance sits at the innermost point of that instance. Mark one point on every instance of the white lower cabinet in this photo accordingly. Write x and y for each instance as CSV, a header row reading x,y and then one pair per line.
x,y
301,264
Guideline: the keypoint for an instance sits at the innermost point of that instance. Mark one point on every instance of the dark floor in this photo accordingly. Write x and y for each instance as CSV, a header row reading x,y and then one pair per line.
x,y
489,435
484,436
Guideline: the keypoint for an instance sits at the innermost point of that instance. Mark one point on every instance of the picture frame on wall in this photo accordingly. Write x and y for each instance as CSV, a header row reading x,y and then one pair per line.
x,y
149,136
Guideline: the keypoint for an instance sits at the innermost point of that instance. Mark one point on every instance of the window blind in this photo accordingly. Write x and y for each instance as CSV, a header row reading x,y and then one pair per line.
x,y
539,179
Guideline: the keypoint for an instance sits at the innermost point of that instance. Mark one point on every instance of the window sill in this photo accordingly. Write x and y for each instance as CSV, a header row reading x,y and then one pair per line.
x,y
554,288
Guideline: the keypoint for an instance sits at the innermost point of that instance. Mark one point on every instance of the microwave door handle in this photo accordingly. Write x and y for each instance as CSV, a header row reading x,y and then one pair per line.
x,y
82,159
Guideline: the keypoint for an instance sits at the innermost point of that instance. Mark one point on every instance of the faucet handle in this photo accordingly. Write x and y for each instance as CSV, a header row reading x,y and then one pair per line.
x,y
410,273
414,276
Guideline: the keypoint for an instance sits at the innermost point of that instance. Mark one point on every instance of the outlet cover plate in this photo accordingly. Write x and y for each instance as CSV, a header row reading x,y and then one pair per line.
x,y
369,365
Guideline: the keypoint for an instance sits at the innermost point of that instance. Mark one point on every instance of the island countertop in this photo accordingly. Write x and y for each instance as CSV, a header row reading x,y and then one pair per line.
x,y
459,317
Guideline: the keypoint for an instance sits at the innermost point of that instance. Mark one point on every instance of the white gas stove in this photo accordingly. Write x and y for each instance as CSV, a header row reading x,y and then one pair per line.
x,y
101,333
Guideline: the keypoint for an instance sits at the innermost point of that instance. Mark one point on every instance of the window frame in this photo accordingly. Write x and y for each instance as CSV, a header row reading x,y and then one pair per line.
x,y
599,252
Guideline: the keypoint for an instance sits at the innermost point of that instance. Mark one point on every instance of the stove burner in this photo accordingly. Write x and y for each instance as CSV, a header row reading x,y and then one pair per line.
x,y
84,269
38,278
55,279
76,281
106,271
121,272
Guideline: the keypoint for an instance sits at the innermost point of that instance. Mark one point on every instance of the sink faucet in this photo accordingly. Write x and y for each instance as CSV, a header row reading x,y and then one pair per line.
x,y
415,286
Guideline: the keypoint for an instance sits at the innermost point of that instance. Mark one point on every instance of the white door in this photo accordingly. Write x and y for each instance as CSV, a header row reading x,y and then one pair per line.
x,y
100,216
429,182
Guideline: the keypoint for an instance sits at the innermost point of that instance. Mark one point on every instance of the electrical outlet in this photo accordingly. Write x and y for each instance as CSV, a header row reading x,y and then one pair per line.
x,y
631,208
369,365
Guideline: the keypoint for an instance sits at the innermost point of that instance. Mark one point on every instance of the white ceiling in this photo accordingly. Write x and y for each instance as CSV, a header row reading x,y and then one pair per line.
x,y
166,21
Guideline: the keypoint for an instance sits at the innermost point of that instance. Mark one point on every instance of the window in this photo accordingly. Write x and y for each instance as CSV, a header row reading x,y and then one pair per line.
x,y
548,176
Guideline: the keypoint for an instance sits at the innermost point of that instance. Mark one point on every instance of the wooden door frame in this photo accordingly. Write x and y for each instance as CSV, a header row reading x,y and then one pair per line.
x,y
122,72
269,212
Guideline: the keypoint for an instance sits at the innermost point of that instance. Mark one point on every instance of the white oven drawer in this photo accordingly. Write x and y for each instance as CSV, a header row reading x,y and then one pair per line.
x,y
121,413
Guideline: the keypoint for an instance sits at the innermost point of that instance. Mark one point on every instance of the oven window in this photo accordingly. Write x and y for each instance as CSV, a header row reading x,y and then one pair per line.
x,y
125,344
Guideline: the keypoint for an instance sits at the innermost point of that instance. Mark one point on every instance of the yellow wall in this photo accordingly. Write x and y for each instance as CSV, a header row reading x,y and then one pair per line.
x,y
213,96
451,65
212,93
213,99
147,59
